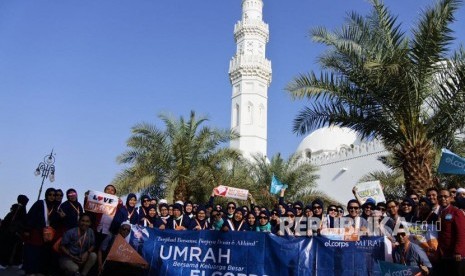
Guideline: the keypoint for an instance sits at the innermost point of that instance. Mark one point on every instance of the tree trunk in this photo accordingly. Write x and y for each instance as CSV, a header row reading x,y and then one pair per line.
x,y
417,161
180,192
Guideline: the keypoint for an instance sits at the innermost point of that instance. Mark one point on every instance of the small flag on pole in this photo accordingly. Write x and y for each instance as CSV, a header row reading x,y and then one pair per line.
x,y
451,163
276,185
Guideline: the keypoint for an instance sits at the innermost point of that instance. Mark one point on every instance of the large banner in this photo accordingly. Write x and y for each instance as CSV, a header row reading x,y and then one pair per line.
x,y
217,253
451,163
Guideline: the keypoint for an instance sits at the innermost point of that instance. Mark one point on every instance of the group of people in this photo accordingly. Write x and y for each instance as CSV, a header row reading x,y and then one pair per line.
x,y
57,237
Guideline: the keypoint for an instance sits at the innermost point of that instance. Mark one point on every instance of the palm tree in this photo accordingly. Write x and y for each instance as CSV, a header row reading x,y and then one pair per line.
x,y
182,160
382,83
298,174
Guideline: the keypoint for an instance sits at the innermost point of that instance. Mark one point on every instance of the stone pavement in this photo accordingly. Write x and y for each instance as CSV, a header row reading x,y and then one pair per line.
x,y
11,272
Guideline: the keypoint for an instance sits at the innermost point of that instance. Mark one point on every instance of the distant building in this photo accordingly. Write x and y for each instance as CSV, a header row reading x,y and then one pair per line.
x,y
341,157
250,76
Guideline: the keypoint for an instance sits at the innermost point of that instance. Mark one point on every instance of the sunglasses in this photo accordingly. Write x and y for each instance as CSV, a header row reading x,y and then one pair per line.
x,y
381,209
401,235
353,208
298,208
147,200
316,207
341,211
290,216
367,208
332,210
263,218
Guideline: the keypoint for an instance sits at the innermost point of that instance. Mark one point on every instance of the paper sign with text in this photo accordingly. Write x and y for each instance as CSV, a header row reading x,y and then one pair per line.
x,y
101,203
225,191
371,189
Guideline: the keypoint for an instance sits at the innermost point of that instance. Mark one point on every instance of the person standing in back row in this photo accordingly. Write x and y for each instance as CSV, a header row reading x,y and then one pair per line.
x,y
451,238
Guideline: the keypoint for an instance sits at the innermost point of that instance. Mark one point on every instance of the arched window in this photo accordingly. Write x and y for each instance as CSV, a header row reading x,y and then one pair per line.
x,y
261,115
249,113
237,112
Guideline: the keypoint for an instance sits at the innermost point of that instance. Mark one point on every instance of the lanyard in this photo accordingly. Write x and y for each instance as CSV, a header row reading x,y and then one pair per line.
x,y
175,224
75,208
204,225
232,225
130,214
82,239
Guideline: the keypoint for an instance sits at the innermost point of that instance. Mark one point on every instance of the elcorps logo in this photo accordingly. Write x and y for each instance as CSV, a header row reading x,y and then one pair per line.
x,y
405,272
336,244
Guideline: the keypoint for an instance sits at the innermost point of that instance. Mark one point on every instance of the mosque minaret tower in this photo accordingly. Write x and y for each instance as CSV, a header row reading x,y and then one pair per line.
x,y
250,76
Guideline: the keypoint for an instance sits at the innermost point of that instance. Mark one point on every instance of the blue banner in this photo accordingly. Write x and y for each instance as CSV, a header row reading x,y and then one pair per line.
x,y
389,269
202,253
451,163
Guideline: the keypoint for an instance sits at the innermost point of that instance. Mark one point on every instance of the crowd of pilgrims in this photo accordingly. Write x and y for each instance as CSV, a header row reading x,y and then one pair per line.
x,y
86,237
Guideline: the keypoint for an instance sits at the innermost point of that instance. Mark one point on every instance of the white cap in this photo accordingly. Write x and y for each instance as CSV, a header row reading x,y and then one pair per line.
x,y
180,202
460,190
163,201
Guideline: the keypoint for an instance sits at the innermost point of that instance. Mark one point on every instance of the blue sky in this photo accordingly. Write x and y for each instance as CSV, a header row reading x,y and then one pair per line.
x,y
76,75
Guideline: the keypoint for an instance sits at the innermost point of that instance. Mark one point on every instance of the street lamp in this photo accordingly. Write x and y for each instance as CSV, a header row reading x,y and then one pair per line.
x,y
45,168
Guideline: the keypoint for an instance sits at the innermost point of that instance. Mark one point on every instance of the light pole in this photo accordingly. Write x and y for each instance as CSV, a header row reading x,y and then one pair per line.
x,y
45,168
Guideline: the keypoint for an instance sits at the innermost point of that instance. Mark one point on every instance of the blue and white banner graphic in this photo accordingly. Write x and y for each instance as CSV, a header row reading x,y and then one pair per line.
x,y
215,253
391,269
451,163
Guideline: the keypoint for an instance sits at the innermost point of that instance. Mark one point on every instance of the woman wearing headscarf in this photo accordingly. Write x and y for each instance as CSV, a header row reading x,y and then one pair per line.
x,y
71,210
178,221
11,230
151,219
199,222
37,252
236,223
251,222
263,224
127,212
216,220
406,210
144,209
162,219
331,217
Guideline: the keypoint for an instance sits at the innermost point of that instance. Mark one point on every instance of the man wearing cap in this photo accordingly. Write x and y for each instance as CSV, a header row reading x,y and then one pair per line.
x,y
410,254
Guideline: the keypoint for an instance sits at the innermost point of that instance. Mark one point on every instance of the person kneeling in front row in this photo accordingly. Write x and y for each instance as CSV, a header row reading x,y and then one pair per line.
x,y
77,246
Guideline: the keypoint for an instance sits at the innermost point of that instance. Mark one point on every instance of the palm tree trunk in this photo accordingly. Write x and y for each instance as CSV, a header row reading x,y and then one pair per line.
x,y
417,161
180,192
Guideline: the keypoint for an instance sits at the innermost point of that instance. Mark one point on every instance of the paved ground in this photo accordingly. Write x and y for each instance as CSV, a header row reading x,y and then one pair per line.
x,y
11,272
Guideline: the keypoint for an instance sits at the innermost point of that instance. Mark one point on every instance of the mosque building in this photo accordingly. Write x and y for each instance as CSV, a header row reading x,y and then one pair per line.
x,y
341,157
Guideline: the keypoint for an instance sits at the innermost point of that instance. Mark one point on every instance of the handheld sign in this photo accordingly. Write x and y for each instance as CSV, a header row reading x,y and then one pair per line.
x,y
122,252
225,191
101,203
366,190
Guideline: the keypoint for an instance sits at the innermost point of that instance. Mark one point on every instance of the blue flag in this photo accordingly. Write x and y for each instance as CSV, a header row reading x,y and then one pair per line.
x,y
276,185
451,163
388,268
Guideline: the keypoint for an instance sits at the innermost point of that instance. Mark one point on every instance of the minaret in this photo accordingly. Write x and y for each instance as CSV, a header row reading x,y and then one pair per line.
x,y
250,76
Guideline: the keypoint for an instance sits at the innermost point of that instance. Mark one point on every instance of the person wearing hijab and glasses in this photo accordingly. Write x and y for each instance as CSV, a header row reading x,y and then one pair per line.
x,y
71,210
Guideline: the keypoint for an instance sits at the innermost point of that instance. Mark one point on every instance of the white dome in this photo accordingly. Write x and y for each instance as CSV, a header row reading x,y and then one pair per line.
x,y
328,139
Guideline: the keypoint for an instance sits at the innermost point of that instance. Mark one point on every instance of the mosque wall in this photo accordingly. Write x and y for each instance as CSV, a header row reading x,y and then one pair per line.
x,y
339,171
